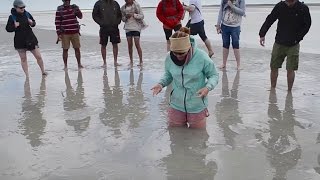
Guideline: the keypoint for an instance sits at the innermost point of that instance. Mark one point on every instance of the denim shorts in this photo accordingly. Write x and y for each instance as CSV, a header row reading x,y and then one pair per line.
x,y
230,32
133,34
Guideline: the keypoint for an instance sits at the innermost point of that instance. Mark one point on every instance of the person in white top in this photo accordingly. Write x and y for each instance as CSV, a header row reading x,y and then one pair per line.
x,y
229,26
196,23
132,16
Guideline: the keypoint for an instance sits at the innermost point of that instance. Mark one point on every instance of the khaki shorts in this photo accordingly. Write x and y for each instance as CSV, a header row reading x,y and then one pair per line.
x,y
73,38
280,52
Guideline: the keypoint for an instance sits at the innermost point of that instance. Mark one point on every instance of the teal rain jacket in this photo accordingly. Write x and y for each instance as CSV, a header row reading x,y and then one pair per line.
x,y
188,79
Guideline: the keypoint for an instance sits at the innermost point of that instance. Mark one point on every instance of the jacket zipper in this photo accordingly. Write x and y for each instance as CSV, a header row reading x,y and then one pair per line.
x,y
185,94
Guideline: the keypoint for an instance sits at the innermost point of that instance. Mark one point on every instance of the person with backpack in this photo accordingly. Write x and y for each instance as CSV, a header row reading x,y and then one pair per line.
x,y
68,30
132,16
294,22
21,22
196,23
170,13
229,25
107,14
192,74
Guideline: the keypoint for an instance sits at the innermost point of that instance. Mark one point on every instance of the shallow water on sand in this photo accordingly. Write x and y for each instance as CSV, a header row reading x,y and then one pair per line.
x,y
105,124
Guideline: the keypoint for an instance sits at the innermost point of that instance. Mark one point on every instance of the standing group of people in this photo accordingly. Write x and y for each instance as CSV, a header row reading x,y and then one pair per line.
x,y
190,69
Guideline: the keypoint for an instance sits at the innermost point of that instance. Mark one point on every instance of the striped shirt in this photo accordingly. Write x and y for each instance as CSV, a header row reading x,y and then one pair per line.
x,y
66,20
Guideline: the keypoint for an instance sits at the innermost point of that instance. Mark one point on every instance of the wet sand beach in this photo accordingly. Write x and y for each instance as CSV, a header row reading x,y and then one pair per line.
x,y
105,124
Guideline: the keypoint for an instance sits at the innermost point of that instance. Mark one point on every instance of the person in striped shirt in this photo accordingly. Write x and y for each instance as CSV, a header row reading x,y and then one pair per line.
x,y
68,30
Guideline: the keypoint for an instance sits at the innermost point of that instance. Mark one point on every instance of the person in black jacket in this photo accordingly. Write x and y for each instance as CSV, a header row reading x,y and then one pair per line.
x,y
20,21
107,14
294,22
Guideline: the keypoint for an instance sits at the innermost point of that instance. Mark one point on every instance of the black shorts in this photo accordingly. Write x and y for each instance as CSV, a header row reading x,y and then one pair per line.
x,y
113,33
133,34
198,28
168,32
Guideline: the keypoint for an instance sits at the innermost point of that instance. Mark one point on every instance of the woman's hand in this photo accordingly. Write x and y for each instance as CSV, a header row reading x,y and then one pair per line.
x,y
230,3
203,92
218,28
30,22
157,89
16,24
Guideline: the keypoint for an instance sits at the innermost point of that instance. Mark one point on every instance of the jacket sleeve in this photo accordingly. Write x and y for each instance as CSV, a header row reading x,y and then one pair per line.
x,y
240,10
140,15
124,18
162,18
210,73
306,24
272,17
58,20
96,16
119,14
78,12
160,15
180,11
34,21
167,76
10,25
219,21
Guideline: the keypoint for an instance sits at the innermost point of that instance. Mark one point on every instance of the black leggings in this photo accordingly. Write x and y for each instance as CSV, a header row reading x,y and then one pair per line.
x,y
168,32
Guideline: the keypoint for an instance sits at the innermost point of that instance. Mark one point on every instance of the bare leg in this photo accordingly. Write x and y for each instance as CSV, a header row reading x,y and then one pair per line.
x,y
24,63
209,47
115,54
237,56
36,53
274,77
225,54
78,57
65,58
168,45
104,55
290,79
130,49
139,50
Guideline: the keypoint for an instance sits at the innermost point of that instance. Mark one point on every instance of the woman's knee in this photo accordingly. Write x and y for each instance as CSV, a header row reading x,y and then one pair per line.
x,y
226,43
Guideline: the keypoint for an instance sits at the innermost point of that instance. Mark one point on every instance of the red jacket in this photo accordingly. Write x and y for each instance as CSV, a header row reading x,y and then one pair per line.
x,y
169,14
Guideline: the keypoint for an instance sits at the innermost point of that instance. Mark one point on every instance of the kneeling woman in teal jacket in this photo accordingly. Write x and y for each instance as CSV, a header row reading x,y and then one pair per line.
x,y
192,74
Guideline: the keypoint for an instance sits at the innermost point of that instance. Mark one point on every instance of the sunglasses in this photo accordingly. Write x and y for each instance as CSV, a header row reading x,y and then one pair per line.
x,y
179,54
21,7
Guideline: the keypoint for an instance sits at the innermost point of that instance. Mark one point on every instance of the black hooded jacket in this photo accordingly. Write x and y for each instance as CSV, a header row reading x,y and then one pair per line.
x,y
293,23
24,37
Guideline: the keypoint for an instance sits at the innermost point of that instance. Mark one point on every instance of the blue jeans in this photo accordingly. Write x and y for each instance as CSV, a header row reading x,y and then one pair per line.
x,y
234,33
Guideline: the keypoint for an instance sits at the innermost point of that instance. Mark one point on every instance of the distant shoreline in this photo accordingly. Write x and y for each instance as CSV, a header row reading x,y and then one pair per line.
x,y
204,6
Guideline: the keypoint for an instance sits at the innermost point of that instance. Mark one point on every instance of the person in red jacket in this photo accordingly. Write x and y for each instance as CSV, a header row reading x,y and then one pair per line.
x,y
170,13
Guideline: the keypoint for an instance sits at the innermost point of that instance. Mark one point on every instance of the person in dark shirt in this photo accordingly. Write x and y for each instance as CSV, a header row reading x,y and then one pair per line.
x,y
107,14
21,23
294,22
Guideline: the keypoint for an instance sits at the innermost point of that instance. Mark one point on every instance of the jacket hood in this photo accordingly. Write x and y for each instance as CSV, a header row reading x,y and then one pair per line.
x,y
14,12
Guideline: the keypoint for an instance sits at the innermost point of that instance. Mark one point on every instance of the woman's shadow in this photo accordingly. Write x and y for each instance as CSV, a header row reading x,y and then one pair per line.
x,y
33,124
188,155
227,110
